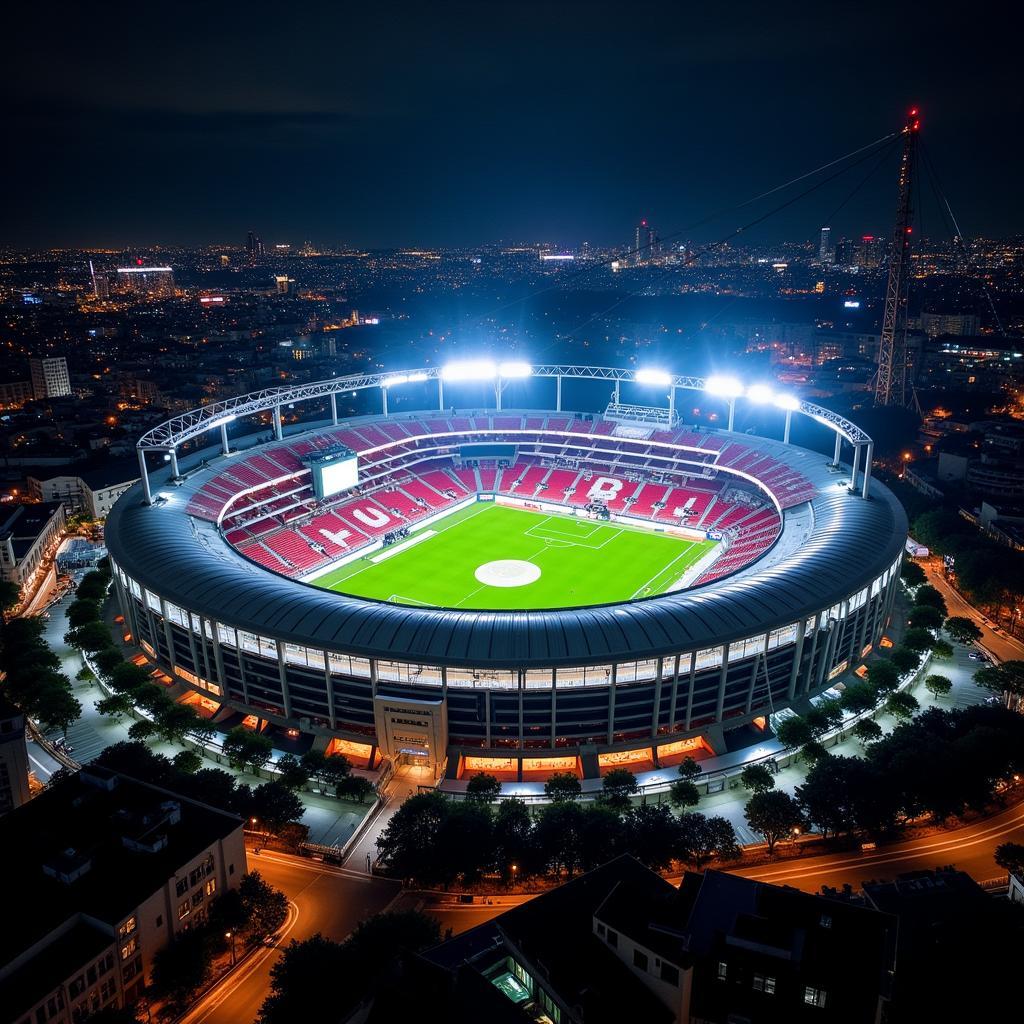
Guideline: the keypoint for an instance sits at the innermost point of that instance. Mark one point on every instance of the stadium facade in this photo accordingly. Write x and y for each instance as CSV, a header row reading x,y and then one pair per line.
x,y
216,554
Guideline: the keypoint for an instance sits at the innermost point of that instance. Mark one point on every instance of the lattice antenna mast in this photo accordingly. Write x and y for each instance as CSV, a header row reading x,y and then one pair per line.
x,y
891,382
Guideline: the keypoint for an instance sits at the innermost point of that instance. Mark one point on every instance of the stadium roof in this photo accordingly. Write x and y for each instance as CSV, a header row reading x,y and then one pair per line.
x,y
852,542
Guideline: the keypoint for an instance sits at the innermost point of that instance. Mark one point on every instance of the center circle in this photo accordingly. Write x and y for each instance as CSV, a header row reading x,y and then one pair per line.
x,y
507,572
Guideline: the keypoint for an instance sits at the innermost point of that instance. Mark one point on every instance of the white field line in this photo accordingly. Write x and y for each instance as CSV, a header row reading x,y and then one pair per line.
x,y
664,569
397,549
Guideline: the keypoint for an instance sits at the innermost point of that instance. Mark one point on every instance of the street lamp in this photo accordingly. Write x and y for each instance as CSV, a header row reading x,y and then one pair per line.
x,y
514,868
231,935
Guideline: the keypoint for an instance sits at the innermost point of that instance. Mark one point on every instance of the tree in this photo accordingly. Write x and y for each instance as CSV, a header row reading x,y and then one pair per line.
x,y
246,749
274,806
867,731
689,769
483,788
683,793
904,659
297,991
58,707
813,751
1010,857
942,650
826,715
793,732
176,721
465,843
902,705
90,636
562,786
314,762
181,967
1005,678
356,788
884,676
651,834
143,729
775,815
135,759
928,595
925,616
264,908
962,629
292,773
117,705
702,838
107,659
912,573
918,639
127,677
757,778
93,586
617,787
558,833
601,835
859,697
408,844
513,842
188,762
938,686
80,612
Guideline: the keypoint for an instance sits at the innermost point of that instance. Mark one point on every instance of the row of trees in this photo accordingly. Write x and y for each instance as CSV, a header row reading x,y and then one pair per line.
x,y
433,840
238,919
275,807
942,764
33,677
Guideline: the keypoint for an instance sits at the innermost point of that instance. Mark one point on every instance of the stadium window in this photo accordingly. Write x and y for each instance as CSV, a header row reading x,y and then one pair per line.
x,y
764,983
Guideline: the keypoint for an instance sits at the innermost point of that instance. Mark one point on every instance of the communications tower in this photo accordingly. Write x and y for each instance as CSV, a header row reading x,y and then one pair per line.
x,y
891,381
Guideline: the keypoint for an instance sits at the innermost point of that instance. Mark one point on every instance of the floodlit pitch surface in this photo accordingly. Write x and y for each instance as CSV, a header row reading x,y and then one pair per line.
x,y
580,562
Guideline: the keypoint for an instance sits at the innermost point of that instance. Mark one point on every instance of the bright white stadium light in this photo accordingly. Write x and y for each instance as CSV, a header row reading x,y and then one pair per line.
x,y
723,387
759,393
223,421
515,370
658,377
474,369
416,378
398,378
788,402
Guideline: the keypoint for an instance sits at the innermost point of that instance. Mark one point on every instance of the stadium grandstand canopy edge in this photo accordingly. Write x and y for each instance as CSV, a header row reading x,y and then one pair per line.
x,y
625,580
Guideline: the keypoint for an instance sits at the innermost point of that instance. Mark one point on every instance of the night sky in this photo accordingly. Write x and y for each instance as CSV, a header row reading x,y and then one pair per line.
x,y
456,124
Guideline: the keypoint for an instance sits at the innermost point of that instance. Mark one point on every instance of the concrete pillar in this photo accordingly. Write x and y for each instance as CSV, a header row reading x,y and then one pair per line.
x,y
657,699
224,449
732,412
671,403
497,394
856,467
558,394
794,672
722,676
144,476
384,401
789,424
331,716
282,670
868,456
174,463
334,408
611,700
689,695
839,449
618,385
278,431
440,393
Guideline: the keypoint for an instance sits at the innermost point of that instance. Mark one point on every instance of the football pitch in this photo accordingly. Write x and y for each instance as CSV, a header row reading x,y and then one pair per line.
x,y
490,556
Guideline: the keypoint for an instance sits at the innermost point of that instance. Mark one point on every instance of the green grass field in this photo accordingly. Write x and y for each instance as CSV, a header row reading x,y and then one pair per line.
x,y
579,562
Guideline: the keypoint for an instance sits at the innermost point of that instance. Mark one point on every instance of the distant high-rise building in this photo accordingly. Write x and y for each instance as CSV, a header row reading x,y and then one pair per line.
x,y
50,378
644,242
14,789
284,283
937,324
254,247
140,280
826,254
100,283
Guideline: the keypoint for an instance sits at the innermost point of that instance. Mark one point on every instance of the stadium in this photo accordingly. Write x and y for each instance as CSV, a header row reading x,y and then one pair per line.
x,y
521,591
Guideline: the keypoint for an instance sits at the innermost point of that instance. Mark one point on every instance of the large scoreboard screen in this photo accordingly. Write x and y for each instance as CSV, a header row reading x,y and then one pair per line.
x,y
333,471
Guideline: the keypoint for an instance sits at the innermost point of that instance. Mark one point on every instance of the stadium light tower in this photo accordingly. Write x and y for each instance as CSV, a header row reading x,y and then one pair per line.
x,y
790,403
725,387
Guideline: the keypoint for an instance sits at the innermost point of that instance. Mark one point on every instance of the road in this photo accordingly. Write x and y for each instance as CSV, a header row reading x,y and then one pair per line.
x,y
323,899
994,640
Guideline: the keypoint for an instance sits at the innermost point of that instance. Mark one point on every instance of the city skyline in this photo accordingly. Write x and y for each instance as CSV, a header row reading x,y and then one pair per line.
x,y
457,127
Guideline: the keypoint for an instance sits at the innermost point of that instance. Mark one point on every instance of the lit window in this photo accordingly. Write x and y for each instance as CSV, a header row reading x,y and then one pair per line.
x,y
764,983
814,996
723,970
